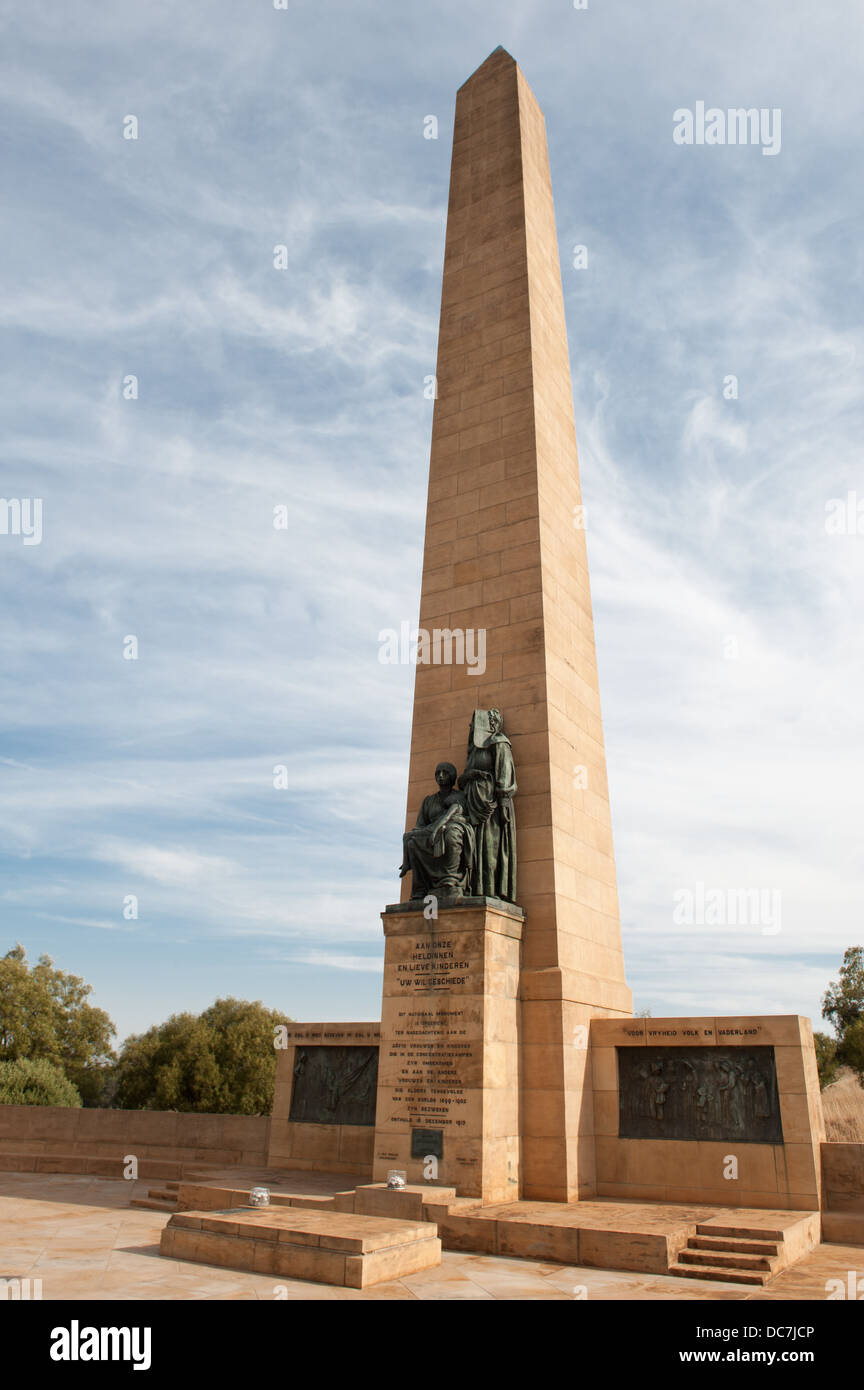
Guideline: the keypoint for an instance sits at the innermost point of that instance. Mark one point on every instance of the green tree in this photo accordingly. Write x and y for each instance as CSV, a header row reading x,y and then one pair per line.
x,y
826,1058
843,1003
45,1015
221,1062
851,1050
39,1082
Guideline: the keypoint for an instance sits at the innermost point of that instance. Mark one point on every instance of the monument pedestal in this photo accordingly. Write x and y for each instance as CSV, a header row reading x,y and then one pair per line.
x,y
448,1078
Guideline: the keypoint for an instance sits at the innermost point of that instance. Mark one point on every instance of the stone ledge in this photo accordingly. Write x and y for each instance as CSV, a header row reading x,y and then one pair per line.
x,y
405,1203
460,904
324,1247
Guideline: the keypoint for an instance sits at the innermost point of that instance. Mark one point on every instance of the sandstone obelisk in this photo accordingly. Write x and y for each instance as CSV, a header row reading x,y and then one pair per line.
x,y
505,552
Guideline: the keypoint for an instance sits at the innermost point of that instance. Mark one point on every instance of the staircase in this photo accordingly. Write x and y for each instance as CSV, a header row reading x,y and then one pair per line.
x,y
162,1198
735,1254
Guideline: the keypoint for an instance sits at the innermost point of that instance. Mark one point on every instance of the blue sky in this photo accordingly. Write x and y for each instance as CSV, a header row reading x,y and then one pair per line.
x,y
304,387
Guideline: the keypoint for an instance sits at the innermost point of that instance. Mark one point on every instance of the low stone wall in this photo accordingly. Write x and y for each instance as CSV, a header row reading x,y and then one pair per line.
x,y
57,1139
843,1193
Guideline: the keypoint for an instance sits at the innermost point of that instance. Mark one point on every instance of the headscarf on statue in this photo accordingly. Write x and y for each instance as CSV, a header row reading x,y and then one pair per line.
x,y
489,782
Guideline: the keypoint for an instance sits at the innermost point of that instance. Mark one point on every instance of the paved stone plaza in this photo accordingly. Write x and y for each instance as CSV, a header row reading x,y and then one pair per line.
x,y
80,1237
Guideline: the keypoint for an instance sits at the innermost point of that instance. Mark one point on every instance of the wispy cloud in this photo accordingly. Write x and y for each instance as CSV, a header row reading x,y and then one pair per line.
x,y
331,960
727,619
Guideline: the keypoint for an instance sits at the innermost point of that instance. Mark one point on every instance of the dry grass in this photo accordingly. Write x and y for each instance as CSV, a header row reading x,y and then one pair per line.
x,y
843,1103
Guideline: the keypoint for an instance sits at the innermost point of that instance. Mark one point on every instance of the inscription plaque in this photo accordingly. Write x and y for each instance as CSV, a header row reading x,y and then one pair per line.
x,y
334,1085
426,1143
429,1056
725,1093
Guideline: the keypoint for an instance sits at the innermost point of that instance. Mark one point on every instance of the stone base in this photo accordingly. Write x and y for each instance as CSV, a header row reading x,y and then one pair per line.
x,y
405,1203
638,1236
649,1237
324,1247
448,1076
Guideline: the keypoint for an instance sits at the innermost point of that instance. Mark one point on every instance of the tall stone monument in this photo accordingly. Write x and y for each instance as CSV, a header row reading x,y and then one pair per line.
x,y
484,1034
508,1061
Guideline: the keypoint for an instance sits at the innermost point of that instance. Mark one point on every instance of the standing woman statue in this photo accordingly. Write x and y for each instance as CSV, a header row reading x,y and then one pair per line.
x,y
489,781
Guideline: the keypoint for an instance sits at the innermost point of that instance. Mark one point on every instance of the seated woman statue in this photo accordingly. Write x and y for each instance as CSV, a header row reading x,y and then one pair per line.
x,y
439,851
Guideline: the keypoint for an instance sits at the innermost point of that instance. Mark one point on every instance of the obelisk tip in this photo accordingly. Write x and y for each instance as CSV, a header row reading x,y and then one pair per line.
x,y
493,54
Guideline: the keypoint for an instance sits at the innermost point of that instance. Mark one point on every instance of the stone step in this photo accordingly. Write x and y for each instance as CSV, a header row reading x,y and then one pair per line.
x,y
728,1276
738,1254
154,1204
743,1247
720,1258
740,1232
163,1194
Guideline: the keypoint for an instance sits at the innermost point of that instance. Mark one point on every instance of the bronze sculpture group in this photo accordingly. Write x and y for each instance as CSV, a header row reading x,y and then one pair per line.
x,y
464,841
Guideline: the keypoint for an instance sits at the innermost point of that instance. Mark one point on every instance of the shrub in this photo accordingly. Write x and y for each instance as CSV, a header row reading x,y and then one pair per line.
x,y
37,1082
